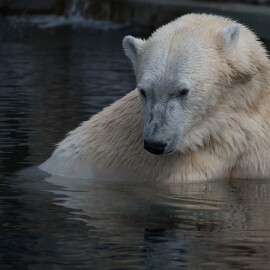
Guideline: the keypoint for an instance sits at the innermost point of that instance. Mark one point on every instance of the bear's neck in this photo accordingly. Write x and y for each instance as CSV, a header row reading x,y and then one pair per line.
x,y
228,122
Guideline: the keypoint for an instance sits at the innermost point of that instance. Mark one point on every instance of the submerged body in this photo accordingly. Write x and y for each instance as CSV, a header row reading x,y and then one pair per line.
x,y
202,104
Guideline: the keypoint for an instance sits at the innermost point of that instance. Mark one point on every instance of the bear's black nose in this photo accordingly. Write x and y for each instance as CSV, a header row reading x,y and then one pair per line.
x,y
157,148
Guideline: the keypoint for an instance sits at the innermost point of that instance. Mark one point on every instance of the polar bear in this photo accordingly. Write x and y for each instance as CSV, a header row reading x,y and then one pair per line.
x,y
201,110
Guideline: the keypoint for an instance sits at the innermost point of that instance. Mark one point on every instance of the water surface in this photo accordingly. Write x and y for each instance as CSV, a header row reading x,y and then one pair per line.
x,y
55,74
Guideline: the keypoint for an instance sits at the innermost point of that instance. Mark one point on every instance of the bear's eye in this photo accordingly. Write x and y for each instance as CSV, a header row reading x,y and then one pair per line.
x,y
183,93
143,93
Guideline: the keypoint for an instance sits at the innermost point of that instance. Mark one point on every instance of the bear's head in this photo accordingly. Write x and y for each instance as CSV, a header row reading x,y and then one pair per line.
x,y
184,70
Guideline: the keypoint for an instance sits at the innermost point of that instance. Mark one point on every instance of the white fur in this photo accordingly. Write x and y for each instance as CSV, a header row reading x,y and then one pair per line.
x,y
231,35
224,122
131,47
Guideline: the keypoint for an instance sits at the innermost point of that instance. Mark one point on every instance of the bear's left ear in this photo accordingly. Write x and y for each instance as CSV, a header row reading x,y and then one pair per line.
x,y
131,47
230,35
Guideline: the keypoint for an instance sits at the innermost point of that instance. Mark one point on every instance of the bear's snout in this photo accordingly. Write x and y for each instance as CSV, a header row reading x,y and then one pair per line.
x,y
157,148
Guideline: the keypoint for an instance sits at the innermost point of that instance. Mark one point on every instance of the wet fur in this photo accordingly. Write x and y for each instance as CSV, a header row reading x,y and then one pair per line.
x,y
229,138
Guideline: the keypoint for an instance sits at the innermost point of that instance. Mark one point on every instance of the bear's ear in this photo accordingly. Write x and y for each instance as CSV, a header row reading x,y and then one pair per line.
x,y
230,35
131,47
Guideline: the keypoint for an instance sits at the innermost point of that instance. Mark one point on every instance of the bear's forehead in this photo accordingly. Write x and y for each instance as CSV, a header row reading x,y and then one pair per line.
x,y
200,23
172,59
178,46
185,39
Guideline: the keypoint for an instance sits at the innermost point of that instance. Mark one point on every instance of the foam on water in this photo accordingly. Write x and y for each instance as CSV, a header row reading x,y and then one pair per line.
x,y
76,15
52,21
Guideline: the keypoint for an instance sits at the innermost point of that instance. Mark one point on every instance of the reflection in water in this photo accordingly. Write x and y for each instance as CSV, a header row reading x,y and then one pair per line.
x,y
51,80
214,225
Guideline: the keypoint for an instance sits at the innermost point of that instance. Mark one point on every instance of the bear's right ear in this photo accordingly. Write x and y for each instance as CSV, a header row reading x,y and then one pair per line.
x,y
131,47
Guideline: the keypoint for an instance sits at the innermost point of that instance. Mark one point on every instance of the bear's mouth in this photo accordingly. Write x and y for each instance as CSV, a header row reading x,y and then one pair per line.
x,y
159,152
162,154
155,152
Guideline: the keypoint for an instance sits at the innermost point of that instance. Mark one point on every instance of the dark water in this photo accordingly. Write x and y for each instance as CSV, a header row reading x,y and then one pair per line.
x,y
53,77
